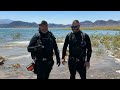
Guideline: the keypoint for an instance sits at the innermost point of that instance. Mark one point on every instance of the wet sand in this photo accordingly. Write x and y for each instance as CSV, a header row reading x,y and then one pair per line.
x,y
101,67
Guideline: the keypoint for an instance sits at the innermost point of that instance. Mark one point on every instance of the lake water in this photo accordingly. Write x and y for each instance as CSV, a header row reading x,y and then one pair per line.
x,y
25,34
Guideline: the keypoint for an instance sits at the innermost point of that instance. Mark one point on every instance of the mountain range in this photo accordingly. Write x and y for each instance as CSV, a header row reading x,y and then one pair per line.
x,y
6,23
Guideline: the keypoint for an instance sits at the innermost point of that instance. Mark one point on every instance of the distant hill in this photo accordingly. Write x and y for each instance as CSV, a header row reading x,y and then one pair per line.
x,y
100,23
21,24
17,24
5,21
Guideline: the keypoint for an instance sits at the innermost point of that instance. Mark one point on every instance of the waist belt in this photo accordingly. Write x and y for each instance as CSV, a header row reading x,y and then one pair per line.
x,y
75,58
45,58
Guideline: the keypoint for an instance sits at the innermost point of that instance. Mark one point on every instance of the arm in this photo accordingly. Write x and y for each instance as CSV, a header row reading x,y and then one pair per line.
x,y
65,47
33,41
89,48
56,51
31,45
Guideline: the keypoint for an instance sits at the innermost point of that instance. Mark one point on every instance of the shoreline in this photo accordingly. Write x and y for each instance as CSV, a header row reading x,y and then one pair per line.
x,y
82,28
103,66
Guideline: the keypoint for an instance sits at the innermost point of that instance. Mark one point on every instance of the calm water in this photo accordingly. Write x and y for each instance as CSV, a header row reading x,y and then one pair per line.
x,y
25,34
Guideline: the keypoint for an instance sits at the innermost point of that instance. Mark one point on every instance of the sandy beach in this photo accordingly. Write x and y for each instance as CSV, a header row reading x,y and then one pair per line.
x,y
103,66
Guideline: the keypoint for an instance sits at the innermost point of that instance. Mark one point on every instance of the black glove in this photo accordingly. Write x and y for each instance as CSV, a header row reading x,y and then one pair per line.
x,y
58,63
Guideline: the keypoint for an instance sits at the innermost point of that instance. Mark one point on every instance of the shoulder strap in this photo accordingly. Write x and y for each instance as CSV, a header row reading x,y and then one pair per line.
x,y
51,35
70,35
82,35
39,39
38,35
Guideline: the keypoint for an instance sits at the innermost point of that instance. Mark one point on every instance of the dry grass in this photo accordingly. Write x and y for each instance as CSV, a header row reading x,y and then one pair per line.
x,y
95,43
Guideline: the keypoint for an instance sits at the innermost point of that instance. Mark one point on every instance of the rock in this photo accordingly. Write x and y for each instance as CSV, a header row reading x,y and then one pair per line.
x,y
91,75
2,59
16,65
118,71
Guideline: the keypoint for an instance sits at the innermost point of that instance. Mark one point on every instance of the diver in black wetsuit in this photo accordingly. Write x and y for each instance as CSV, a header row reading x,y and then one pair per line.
x,y
80,51
41,47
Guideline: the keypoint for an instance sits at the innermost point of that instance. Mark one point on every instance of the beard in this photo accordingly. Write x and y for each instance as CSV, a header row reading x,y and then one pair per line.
x,y
43,31
75,31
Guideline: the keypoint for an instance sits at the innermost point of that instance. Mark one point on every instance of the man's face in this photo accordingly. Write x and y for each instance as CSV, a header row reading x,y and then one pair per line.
x,y
75,27
44,28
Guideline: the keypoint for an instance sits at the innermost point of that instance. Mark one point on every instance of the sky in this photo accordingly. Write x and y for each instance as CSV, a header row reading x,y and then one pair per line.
x,y
59,17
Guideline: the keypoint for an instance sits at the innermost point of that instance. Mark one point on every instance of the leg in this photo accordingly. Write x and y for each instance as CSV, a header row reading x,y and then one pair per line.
x,y
47,73
43,74
40,70
72,69
72,73
81,70
40,73
48,69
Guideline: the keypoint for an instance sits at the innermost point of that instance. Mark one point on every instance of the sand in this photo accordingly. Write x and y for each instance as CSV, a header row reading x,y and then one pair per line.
x,y
101,67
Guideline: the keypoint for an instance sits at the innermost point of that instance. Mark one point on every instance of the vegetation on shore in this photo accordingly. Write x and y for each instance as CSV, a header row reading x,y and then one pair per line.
x,y
102,28
60,40
97,28
101,43
110,42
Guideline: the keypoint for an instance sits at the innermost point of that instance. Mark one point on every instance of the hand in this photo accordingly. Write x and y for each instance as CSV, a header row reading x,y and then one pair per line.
x,y
63,61
58,63
87,64
34,59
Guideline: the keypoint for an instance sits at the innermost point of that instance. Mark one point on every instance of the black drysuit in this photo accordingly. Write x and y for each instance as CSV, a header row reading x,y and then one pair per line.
x,y
44,56
79,53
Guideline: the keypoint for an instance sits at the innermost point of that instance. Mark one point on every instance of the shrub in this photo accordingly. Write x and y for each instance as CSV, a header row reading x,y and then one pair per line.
x,y
95,43
99,51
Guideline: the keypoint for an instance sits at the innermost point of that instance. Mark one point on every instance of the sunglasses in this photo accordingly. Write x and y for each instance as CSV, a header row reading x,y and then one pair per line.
x,y
74,27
